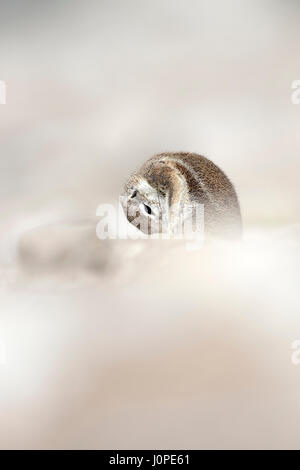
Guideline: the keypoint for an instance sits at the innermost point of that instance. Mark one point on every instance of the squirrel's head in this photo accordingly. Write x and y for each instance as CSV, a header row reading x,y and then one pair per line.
x,y
144,205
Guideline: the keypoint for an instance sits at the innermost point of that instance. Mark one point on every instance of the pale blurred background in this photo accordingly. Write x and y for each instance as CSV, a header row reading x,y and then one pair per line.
x,y
105,347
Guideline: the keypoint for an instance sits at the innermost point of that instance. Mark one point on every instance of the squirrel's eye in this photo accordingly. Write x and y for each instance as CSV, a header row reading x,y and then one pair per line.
x,y
147,209
134,194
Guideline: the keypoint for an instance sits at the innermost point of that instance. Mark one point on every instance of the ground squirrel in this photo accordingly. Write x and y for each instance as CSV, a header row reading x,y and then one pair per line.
x,y
168,181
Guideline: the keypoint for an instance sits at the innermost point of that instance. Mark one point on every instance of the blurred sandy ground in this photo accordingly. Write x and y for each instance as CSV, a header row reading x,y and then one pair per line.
x,y
122,344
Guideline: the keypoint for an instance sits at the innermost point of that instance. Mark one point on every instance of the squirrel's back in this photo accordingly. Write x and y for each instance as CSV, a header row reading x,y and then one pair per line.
x,y
205,183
